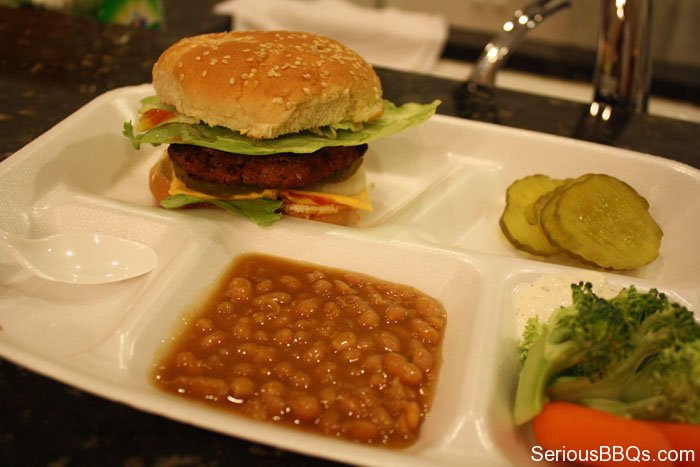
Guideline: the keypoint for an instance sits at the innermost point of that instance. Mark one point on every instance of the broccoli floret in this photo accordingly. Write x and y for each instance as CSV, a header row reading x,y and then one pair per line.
x,y
665,387
533,329
580,338
674,377
609,354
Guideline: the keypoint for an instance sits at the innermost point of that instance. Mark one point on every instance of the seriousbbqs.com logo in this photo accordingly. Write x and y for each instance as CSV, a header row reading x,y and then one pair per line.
x,y
611,454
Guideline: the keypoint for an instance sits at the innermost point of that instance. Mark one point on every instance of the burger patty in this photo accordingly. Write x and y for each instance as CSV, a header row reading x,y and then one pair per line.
x,y
283,170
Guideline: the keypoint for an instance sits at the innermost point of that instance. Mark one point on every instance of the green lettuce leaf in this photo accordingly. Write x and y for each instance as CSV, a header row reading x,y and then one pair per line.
x,y
394,120
261,211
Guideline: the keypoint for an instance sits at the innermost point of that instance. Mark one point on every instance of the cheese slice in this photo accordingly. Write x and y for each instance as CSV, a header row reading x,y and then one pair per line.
x,y
357,201
178,187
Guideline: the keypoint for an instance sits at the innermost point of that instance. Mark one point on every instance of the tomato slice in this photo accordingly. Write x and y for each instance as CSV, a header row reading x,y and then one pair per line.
x,y
154,117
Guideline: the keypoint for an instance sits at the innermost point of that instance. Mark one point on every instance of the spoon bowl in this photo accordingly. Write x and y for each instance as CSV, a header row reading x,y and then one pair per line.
x,y
80,258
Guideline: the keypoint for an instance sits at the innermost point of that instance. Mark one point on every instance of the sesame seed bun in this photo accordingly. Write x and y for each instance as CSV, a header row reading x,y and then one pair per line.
x,y
267,83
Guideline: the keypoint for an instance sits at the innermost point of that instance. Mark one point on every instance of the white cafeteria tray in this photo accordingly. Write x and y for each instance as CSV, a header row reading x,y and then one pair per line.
x,y
438,191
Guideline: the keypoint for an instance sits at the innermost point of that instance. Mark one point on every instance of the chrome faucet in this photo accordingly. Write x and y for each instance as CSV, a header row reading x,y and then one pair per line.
x,y
509,38
622,73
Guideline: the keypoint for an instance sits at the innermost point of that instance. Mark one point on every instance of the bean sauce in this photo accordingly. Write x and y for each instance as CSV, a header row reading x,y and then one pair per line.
x,y
326,350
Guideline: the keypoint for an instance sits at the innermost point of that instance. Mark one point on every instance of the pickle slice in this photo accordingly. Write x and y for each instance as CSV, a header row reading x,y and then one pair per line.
x,y
534,211
546,207
520,196
602,220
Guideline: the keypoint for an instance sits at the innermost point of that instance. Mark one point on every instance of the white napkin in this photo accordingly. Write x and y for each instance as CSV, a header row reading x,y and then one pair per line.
x,y
385,37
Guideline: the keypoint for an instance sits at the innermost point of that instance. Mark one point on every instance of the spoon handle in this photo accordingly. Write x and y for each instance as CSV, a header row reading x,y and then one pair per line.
x,y
7,245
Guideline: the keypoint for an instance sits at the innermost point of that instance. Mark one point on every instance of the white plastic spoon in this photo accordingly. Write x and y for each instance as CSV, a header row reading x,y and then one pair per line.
x,y
80,258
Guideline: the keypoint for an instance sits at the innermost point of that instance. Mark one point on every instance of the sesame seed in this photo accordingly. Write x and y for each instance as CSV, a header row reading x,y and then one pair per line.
x,y
306,90
179,64
206,52
250,59
277,100
232,80
198,58
324,84
306,76
182,76
204,73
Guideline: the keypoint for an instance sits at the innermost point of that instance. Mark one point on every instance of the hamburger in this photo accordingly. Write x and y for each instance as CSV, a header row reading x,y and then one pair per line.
x,y
265,124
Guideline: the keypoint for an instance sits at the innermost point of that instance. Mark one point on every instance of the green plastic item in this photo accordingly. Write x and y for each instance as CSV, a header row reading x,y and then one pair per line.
x,y
144,14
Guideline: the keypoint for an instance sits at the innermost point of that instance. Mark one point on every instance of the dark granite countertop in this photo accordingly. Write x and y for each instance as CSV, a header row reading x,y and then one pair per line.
x,y
51,65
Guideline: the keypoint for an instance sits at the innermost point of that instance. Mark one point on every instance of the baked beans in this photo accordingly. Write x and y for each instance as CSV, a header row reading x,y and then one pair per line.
x,y
330,351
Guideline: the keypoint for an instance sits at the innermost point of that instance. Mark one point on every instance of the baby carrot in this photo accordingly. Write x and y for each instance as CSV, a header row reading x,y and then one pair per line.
x,y
593,437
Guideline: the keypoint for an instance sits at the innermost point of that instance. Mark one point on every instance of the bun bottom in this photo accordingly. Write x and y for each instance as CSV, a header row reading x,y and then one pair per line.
x,y
162,174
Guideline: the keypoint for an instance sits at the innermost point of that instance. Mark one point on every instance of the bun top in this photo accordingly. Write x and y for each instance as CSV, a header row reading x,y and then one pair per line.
x,y
267,83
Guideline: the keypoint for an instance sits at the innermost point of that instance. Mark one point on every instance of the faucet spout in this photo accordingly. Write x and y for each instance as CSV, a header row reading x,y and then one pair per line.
x,y
512,34
622,75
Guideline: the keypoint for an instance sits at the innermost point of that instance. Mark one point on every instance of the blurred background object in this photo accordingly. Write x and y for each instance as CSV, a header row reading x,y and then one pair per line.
x,y
391,37
145,14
